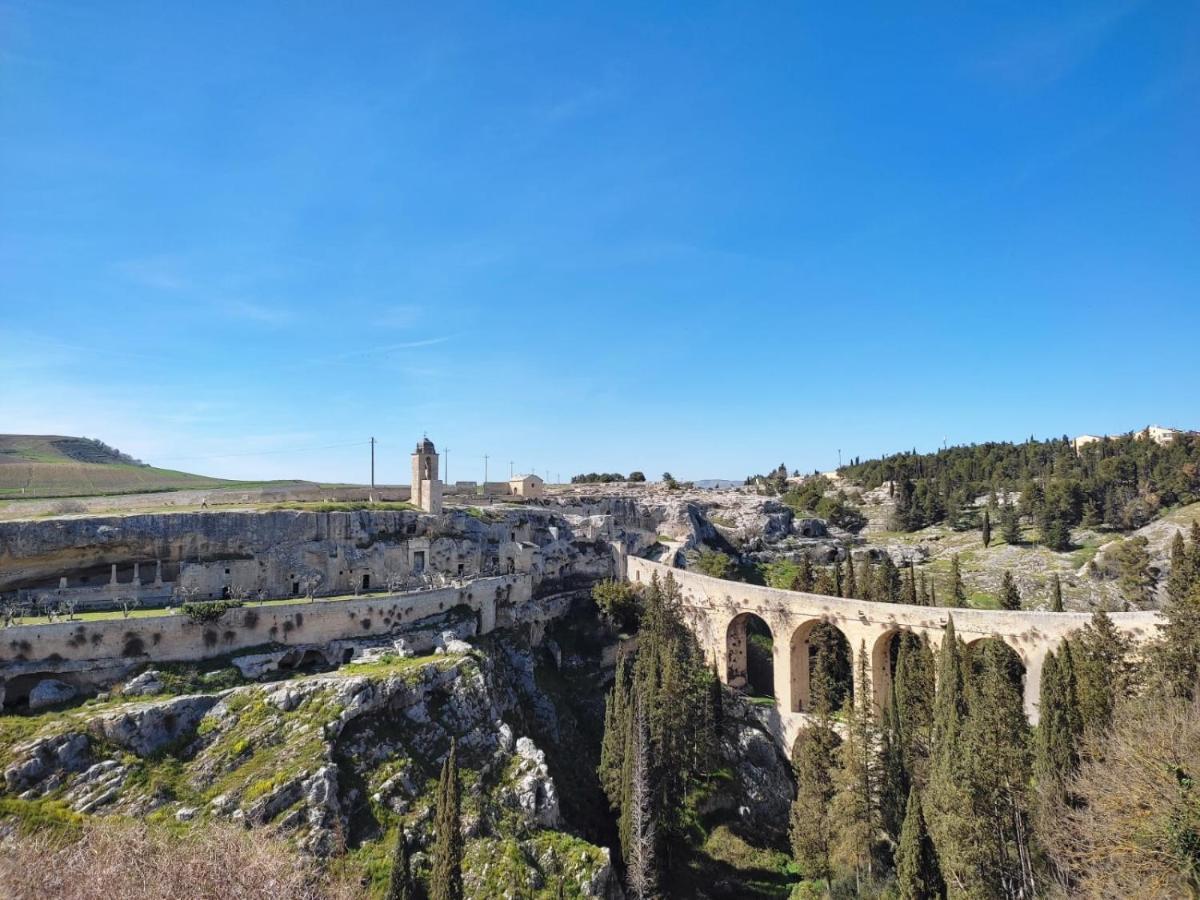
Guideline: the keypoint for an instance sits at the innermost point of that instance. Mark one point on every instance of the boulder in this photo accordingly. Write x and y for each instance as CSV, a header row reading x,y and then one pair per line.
x,y
50,693
149,682
148,729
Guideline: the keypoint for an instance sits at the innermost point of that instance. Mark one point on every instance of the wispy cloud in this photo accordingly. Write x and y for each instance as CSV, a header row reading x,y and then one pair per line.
x,y
256,312
398,315
1043,56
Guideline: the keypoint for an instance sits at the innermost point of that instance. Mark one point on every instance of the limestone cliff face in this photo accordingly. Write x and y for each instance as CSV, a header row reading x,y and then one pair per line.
x,y
329,761
32,551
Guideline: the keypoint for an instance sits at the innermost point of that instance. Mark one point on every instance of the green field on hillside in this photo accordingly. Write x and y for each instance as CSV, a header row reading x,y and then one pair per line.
x,y
60,466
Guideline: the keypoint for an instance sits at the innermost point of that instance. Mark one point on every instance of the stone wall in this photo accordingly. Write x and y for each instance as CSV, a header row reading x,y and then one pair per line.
x,y
175,637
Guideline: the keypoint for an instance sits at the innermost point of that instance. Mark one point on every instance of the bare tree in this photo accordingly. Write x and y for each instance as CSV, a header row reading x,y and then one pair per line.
x,y
643,874
12,611
309,582
128,605
395,582
184,593
66,607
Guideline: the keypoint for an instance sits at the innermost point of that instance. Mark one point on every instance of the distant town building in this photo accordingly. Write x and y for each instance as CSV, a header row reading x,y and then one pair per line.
x,y
526,486
1157,433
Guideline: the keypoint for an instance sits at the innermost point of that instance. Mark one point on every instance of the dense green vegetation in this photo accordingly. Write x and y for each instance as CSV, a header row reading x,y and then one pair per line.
x,y
606,477
660,741
1120,482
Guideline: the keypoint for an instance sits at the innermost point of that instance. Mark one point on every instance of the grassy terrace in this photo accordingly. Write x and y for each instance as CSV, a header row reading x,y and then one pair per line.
x,y
150,613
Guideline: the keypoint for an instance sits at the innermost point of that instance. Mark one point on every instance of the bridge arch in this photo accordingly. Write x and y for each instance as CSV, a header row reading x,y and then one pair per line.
x,y
749,655
1014,661
819,642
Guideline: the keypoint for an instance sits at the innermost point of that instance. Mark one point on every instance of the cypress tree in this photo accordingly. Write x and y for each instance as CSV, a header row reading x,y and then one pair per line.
x,y
1010,597
918,873
893,775
923,591
1179,580
995,846
445,880
804,579
987,529
913,686
1010,523
850,587
856,804
958,591
1056,744
1101,667
1179,655
612,747
400,886
932,594
951,821
811,826
908,594
1056,598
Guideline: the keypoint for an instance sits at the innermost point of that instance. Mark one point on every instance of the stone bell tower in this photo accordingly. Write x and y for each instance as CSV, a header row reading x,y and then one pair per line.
x,y
426,486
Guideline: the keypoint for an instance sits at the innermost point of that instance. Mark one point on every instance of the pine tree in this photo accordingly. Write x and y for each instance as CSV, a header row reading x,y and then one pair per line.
x,y
918,873
1134,576
400,886
1060,725
1056,597
987,529
1010,597
445,879
958,591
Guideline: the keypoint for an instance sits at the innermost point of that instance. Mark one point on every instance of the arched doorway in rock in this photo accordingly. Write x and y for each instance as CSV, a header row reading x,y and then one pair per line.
x,y
750,655
822,667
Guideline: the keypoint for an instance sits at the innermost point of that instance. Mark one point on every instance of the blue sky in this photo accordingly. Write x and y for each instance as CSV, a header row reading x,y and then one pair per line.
x,y
240,238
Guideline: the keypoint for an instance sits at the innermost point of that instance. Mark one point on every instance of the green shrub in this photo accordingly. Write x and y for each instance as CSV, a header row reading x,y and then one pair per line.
x,y
208,611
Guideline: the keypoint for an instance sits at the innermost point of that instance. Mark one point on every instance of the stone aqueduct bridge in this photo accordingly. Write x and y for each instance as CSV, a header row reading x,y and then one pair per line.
x,y
718,611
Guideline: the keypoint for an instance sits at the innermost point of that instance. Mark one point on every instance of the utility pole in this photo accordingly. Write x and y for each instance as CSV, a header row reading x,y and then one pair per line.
x,y
510,470
372,464
446,474
485,459
839,457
